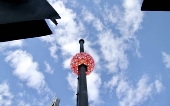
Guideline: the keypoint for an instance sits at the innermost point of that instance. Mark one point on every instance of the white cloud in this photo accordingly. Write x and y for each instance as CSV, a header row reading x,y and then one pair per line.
x,y
53,50
87,15
166,59
70,48
132,17
50,39
127,20
9,44
113,50
48,68
72,80
114,46
96,1
42,101
98,25
112,83
5,95
21,94
159,86
130,95
93,85
135,96
66,63
90,18
26,69
111,14
22,103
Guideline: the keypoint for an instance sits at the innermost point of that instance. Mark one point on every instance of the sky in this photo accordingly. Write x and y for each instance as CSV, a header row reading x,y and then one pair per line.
x,y
130,49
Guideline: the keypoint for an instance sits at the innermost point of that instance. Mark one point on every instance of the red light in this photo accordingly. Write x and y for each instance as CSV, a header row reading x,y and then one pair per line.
x,y
82,58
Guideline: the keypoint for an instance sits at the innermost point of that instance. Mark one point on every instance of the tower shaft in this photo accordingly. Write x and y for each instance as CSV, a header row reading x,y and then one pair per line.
x,y
82,83
82,93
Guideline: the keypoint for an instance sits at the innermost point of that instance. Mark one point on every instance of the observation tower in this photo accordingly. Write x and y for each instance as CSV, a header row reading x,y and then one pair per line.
x,y
82,64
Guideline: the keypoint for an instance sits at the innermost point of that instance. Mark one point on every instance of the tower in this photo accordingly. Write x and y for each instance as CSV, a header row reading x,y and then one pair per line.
x,y
55,101
82,64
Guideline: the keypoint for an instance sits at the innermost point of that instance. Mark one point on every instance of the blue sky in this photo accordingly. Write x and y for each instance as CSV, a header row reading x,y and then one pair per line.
x,y
130,49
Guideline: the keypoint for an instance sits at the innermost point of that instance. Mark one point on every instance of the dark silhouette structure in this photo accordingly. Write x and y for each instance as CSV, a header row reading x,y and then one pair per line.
x,y
21,19
155,5
82,64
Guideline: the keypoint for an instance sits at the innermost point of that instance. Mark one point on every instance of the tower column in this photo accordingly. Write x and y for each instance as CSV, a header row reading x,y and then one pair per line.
x,y
82,64
82,95
82,83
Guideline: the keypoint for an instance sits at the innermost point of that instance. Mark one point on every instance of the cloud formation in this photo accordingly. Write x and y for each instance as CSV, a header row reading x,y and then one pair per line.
x,y
113,50
130,95
22,103
26,69
90,18
5,94
9,44
166,59
48,68
114,46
